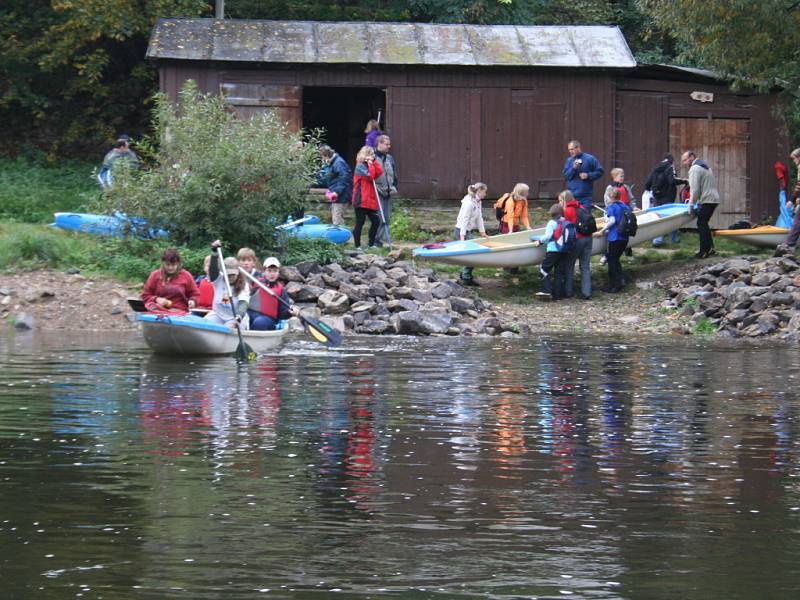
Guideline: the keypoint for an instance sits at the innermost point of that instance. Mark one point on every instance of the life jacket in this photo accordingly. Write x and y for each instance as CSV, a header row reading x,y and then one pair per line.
x,y
624,194
268,304
206,298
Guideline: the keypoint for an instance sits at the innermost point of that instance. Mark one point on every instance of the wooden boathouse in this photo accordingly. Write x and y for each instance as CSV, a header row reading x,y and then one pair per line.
x,y
493,103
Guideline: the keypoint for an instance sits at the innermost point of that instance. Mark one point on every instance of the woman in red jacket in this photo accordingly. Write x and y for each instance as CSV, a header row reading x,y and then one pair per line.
x,y
365,200
171,286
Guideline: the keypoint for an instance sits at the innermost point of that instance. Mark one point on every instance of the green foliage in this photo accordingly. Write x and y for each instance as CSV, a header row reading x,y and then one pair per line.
x,y
704,327
404,228
37,246
217,176
296,250
31,191
73,74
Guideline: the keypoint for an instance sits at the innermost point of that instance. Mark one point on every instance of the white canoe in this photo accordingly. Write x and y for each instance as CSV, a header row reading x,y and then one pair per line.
x,y
517,249
194,336
767,236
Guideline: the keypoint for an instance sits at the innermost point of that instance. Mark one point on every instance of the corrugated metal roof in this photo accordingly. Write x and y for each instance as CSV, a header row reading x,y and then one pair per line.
x,y
389,43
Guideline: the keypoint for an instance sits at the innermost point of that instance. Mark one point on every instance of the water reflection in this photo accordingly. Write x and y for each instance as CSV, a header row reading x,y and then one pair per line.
x,y
424,468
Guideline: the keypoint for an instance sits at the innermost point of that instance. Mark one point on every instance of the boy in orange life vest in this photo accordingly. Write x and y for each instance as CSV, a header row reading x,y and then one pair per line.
x,y
265,311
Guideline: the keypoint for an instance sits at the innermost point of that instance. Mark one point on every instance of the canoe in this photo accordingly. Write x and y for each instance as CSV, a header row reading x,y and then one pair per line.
x,y
767,236
190,335
332,233
116,225
517,249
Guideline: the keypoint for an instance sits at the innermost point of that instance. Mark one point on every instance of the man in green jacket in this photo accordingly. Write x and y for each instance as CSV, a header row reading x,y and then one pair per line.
x,y
704,194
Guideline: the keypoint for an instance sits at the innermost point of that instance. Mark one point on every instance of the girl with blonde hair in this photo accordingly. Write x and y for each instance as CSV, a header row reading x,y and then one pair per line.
x,y
512,209
470,217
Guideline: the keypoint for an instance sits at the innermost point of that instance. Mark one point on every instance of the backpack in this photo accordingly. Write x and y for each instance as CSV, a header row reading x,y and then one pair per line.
x,y
499,212
627,226
659,185
584,221
565,236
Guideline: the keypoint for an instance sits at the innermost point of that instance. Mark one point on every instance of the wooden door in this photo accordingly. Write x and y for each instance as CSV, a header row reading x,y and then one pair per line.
x,y
723,144
248,99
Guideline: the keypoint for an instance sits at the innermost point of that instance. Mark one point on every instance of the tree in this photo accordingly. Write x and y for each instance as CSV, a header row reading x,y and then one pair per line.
x,y
216,175
73,73
755,43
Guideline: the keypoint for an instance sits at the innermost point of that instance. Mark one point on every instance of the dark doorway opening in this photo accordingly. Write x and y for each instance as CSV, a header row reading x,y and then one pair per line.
x,y
342,113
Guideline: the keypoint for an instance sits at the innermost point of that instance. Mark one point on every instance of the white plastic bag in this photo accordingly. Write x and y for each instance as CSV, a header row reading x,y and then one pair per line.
x,y
647,197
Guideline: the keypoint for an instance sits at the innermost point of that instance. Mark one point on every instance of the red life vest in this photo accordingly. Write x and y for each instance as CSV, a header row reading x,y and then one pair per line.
x,y
623,193
268,304
206,298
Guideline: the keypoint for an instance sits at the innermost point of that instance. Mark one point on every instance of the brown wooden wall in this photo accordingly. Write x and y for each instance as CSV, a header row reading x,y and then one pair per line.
x,y
452,126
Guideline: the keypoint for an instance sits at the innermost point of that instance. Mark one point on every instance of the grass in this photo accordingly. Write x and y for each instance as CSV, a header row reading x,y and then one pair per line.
x,y
31,191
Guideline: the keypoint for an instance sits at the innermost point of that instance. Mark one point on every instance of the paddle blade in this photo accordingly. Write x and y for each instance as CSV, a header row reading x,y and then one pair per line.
x,y
325,334
244,353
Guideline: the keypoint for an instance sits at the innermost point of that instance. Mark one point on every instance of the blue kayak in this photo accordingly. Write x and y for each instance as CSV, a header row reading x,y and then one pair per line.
x,y
117,225
332,233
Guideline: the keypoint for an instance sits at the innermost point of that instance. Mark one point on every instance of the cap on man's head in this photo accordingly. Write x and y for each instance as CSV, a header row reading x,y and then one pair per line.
x,y
272,262
123,137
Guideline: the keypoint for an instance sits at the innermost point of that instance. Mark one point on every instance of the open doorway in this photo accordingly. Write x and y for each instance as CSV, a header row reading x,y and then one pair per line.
x,y
343,113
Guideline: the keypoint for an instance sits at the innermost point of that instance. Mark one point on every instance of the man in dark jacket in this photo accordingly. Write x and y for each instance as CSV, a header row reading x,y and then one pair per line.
x,y
386,183
580,171
339,181
663,184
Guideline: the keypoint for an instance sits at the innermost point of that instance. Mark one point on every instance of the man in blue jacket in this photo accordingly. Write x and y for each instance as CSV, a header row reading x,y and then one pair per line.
x,y
580,171
339,180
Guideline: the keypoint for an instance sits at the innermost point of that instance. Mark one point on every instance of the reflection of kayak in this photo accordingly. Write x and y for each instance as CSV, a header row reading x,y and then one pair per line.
x,y
191,336
517,249
117,225
768,236
332,233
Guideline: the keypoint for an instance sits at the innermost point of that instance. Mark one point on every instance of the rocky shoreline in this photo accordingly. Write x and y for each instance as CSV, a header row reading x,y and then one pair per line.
x,y
744,297
378,295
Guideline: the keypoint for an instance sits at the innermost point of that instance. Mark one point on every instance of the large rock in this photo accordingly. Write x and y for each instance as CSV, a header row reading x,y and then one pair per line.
x,y
304,293
333,302
354,293
362,306
23,322
421,322
401,304
308,267
461,305
441,291
421,296
292,274
373,327
377,290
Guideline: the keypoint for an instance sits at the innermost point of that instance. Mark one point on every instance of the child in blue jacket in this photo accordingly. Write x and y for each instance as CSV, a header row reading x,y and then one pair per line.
x,y
555,261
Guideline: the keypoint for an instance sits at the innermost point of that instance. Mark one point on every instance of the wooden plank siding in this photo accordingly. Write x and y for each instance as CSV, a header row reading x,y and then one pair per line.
x,y
454,125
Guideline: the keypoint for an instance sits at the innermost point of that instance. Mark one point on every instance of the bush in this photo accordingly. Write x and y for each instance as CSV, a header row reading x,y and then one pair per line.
x,y
215,175
30,192
296,250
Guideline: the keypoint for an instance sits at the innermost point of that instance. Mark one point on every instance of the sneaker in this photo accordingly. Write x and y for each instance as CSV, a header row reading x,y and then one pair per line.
x,y
783,250
603,260
542,295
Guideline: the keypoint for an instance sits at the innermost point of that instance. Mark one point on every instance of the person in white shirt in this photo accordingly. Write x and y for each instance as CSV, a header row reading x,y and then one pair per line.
x,y
471,217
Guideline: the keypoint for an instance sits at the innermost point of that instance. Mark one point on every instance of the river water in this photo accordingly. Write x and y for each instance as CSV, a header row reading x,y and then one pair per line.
x,y
406,468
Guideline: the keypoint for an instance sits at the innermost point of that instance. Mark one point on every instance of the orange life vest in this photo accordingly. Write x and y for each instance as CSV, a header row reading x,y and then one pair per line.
x,y
268,304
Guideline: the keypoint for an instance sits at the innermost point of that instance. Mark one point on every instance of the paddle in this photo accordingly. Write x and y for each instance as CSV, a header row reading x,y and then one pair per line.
x,y
244,352
291,224
137,305
325,334
383,219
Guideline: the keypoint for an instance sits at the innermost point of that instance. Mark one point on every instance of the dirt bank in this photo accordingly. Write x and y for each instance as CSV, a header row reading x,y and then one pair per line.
x,y
62,301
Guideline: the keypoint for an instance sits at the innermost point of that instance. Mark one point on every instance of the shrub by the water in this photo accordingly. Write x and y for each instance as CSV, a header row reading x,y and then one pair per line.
x,y
216,175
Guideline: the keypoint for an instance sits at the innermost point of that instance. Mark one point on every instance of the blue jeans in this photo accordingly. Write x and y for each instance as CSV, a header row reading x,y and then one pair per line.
x,y
586,201
261,322
583,252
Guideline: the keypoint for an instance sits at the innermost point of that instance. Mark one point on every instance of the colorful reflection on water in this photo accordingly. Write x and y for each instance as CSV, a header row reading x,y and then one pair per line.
x,y
535,468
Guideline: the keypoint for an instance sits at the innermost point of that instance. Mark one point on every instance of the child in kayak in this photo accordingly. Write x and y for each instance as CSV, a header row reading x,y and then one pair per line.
x,y
227,310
